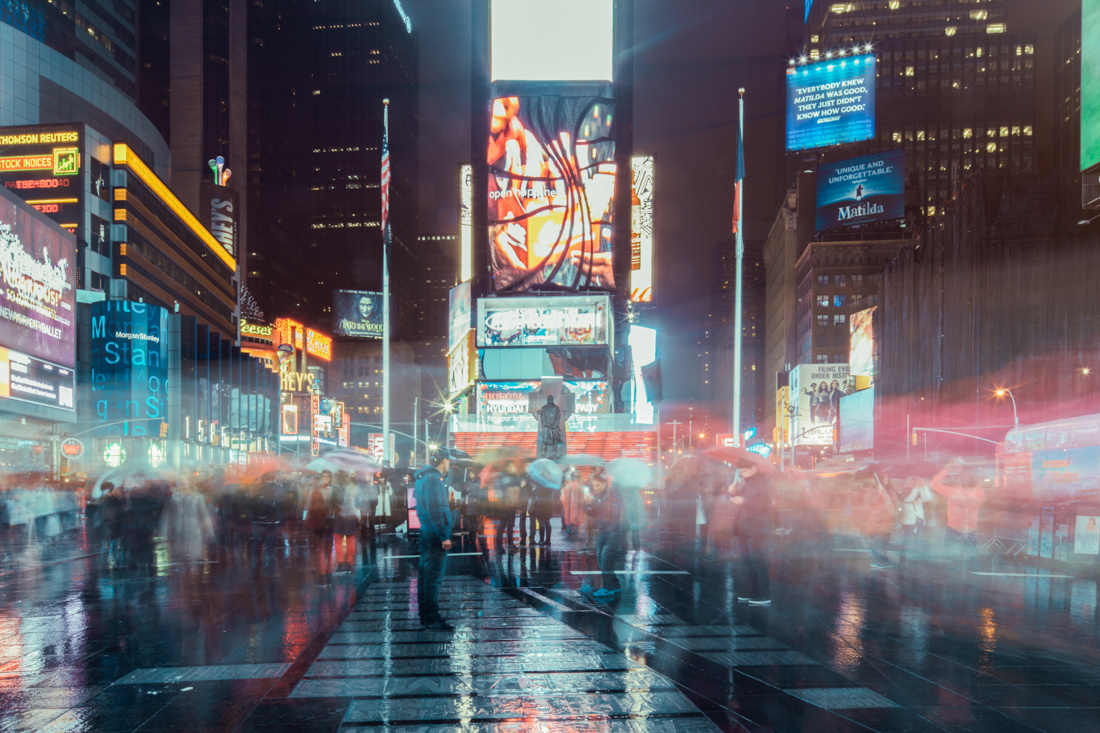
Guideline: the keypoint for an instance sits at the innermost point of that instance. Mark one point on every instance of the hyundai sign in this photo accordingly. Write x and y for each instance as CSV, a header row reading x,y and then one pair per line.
x,y
831,102
861,190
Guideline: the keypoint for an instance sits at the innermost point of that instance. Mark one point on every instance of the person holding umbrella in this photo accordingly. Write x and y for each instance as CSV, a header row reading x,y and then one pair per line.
x,y
604,507
754,525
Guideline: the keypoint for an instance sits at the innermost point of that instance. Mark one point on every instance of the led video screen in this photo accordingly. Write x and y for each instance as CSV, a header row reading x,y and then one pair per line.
x,y
567,40
831,102
641,229
357,314
1090,84
861,190
551,185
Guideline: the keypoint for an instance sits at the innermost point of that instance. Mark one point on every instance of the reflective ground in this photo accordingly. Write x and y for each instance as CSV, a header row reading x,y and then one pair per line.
x,y
959,643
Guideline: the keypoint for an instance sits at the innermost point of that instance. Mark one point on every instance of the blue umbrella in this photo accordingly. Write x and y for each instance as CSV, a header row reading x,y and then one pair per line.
x,y
629,473
545,473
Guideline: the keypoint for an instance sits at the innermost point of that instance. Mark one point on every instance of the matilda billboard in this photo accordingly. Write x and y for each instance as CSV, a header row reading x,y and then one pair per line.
x,y
831,102
861,190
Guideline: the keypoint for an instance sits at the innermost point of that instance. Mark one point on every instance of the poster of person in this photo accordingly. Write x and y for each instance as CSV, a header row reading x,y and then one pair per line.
x,y
816,390
861,355
551,184
357,314
1086,536
460,309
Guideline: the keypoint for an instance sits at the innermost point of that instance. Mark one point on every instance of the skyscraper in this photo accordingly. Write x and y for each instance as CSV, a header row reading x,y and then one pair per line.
x,y
318,75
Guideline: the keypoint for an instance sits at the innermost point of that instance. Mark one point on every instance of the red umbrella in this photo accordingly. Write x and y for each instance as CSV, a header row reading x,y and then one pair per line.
x,y
733,455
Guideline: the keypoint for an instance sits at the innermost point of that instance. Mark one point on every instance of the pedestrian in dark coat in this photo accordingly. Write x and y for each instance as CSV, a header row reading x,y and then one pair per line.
x,y
433,509
755,524
605,512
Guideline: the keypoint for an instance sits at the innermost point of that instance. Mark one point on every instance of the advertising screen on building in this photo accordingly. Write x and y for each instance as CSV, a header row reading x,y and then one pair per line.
x,y
43,165
831,102
567,40
129,367
357,314
500,400
38,382
460,313
580,320
861,354
466,221
641,229
1090,84
861,190
551,184
221,215
38,297
856,431
816,390
462,365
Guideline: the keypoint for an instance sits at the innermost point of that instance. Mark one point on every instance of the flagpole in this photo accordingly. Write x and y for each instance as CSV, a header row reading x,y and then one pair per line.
x,y
386,283
740,252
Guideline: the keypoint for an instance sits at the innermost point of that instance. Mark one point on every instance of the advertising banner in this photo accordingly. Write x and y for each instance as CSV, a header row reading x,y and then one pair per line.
x,y
641,230
782,415
43,165
861,190
581,320
38,293
831,102
129,367
1090,84
567,40
861,349
551,184
318,344
1086,536
466,221
462,365
857,421
460,309
1059,475
221,215
33,380
357,314
816,390
498,400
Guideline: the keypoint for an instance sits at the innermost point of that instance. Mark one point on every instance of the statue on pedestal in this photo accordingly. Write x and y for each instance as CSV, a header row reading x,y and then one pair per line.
x,y
551,418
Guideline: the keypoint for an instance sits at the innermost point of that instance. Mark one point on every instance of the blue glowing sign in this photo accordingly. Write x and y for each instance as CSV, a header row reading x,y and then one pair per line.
x,y
831,102
129,363
760,448
861,190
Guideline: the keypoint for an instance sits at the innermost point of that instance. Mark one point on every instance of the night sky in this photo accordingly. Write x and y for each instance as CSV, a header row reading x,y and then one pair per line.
x,y
688,66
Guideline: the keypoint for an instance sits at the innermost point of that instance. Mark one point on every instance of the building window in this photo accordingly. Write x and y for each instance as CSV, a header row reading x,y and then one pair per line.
x,y
823,301
841,279
822,319
838,301
840,319
822,280
822,358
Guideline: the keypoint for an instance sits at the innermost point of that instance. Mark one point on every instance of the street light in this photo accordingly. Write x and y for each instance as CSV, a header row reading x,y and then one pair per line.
x,y
1001,392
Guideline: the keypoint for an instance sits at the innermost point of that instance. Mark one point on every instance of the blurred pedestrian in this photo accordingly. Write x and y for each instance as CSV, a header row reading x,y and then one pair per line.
x,y
436,527
879,512
723,520
541,509
140,520
368,506
572,504
962,488
506,489
319,521
188,527
346,520
634,515
915,495
755,527
604,506
268,516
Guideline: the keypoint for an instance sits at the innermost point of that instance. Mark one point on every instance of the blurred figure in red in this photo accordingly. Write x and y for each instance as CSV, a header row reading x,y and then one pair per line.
x,y
963,491
319,521
572,504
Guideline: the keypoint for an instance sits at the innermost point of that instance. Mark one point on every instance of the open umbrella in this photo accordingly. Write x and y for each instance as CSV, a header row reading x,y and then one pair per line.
x,y
545,473
499,455
351,461
132,472
462,459
581,459
733,455
629,473
698,474
261,464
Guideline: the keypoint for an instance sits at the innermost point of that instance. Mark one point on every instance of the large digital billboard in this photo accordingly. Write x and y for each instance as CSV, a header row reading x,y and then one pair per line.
x,y
861,190
1090,84
465,221
857,422
861,350
816,390
460,314
551,184
462,365
566,40
357,314
831,102
580,320
38,297
28,379
129,366
641,229
44,166
501,400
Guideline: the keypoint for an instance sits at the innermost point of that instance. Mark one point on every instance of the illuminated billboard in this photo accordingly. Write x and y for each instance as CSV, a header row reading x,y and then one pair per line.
x,y
38,297
28,379
861,190
462,365
861,355
500,400
466,221
357,314
460,310
579,320
857,422
816,390
551,184
43,166
1090,84
129,367
318,344
221,211
641,229
831,102
567,40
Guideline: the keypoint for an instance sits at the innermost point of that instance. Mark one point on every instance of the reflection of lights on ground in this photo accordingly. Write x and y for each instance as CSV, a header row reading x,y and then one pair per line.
x,y
988,630
848,639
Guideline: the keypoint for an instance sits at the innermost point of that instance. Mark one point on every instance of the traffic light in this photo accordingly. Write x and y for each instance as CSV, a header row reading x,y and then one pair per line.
x,y
164,430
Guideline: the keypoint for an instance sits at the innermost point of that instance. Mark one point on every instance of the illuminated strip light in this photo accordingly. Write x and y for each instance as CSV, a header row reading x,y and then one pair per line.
x,y
51,201
124,156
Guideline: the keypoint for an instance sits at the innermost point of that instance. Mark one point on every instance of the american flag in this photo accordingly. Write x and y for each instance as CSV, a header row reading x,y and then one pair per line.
x,y
386,176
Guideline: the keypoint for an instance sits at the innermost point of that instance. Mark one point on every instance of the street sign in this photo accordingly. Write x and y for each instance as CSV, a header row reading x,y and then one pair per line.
x,y
72,448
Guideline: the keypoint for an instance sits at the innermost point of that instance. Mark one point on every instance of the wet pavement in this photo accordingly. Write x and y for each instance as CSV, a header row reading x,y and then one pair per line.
x,y
962,643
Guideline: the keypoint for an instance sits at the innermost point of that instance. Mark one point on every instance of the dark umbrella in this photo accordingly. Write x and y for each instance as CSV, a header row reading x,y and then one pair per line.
x,y
732,454
699,474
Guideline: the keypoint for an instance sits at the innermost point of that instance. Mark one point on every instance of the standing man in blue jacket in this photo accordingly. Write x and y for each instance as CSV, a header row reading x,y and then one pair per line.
x,y
436,524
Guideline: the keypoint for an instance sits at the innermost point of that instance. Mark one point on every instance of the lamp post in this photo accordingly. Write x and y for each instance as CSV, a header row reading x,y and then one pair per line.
x,y
1001,392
